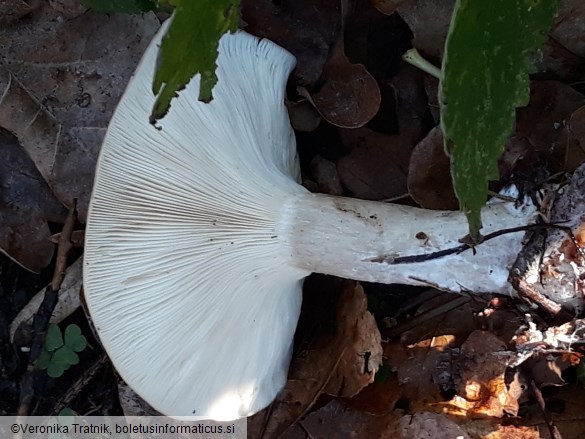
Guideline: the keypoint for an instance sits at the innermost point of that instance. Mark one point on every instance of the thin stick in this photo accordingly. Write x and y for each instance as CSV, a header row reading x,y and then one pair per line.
x,y
43,315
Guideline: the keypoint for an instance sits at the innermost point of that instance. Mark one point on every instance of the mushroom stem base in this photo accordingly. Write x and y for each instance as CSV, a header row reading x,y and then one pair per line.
x,y
358,239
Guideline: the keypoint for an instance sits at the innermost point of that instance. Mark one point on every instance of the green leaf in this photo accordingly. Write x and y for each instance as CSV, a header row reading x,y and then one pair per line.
x,y
190,47
64,356
44,359
54,338
55,370
74,339
485,77
127,6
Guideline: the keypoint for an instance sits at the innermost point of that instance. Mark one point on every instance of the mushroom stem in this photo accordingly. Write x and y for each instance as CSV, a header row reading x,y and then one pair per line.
x,y
361,240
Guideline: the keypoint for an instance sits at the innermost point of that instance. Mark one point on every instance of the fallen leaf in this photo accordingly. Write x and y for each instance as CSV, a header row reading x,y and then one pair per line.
x,y
338,421
324,172
65,78
429,179
429,21
12,10
576,140
543,122
308,33
349,96
341,359
377,165
481,386
26,204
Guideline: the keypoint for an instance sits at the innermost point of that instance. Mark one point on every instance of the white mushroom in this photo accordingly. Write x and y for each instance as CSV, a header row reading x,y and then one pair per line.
x,y
199,238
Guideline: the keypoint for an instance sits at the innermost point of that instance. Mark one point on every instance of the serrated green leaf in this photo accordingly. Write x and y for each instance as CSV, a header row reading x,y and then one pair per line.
x,y
126,6
65,356
190,48
485,77
54,338
74,339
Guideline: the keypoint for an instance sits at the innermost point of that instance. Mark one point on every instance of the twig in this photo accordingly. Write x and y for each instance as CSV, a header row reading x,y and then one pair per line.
x,y
552,429
411,259
43,315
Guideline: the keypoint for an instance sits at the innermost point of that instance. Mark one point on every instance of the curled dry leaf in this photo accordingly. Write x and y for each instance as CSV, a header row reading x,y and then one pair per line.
x,y
60,81
68,300
350,96
26,204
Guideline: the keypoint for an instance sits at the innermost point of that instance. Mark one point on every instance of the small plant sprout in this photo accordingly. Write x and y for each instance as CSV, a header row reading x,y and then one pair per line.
x,y
412,56
60,350
199,237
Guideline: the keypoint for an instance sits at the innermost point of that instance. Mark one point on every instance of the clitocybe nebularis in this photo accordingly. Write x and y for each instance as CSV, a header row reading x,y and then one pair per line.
x,y
199,237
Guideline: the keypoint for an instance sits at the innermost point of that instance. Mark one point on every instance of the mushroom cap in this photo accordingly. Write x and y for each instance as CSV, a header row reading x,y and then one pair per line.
x,y
191,290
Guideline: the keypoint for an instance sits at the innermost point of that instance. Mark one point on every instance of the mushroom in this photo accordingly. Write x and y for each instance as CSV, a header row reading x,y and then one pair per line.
x,y
199,237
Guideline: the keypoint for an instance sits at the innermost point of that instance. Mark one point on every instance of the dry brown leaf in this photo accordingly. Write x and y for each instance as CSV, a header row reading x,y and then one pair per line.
x,y
481,387
569,26
303,116
65,78
308,33
388,6
26,204
349,96
342,362
377,166
324,172
429,177
338,421
576,140
543,122
429,21
362,354
566,407
12,10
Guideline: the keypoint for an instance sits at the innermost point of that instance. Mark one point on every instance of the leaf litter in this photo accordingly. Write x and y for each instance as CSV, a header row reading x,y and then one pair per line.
x,y
474,371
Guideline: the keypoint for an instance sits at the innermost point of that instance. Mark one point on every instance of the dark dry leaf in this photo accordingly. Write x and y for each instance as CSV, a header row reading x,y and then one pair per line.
x,y
338,421
349,96
429,179
60,81
543,122
12,10
377,166
334,361
307,30
26,204
576,140
429,22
